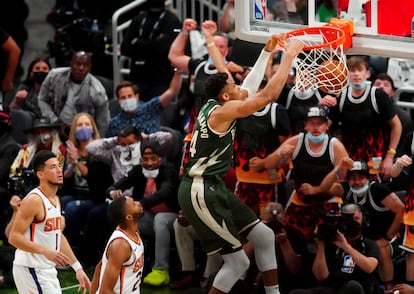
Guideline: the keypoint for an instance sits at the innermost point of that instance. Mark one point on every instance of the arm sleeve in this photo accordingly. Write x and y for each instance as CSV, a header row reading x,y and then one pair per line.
x,y
102,147
252,82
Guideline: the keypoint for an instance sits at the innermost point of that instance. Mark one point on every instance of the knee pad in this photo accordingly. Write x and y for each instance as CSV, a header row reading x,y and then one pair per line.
x,y
263,240
234,266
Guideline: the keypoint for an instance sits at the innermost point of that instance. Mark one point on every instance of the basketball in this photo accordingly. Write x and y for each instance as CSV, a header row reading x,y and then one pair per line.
x,y
332,76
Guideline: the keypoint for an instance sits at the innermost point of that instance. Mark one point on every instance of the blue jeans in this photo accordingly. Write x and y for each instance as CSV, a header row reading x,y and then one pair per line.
x,y
159,226
76,212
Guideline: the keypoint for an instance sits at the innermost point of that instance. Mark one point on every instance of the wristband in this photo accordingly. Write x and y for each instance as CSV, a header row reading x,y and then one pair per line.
x,y
184,32
211,44
76,266
391,151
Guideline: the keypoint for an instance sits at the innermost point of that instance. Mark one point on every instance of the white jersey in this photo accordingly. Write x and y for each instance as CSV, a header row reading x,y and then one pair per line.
x,y
46,232
130,274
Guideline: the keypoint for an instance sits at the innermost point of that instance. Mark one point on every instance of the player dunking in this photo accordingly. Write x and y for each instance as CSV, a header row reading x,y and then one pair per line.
x,y
37,233
217,214
120,270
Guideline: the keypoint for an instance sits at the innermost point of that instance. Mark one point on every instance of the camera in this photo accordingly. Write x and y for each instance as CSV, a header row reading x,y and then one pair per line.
x,y
342,222
22,182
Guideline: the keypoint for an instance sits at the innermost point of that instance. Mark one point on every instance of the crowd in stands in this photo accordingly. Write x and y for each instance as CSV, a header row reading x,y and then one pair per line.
x,y
306,164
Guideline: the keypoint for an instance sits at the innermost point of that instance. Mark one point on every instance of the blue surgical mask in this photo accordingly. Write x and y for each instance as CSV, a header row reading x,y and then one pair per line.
x,y
360,190
129,104
315,139
84,134
360,87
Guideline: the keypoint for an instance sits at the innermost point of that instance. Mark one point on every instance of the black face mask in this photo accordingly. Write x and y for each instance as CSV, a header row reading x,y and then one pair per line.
x,y
4,128
39,76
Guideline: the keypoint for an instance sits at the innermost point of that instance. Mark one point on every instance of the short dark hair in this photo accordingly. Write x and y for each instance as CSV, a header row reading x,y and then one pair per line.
x,y
153,145
39,159
384,77
130,130
117,210
215,83
126,84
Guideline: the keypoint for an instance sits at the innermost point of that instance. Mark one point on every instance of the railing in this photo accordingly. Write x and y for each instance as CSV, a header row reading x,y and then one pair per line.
x,y
197,9
397,96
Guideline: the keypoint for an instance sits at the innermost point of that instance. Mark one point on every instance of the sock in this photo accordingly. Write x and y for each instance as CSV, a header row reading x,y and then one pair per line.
x,y
274,289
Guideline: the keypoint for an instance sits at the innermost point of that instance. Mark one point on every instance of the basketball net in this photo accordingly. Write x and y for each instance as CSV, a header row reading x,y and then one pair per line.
x,y
322,63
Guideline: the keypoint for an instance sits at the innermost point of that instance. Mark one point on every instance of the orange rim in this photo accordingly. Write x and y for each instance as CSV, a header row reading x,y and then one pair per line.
x,y
332,37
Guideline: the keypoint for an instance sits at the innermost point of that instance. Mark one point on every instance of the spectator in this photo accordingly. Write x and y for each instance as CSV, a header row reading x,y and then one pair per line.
x,y
384,210
348,263
200,68
26,97
114,272
403,167
145,116
8,151
67,91
155,185
147,41
298,101
42,246
312,150
76,198
227,21
42,136
9,60
386,83
365,119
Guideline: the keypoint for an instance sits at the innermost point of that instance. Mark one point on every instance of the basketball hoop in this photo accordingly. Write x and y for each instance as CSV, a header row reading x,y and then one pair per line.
x,y
322,62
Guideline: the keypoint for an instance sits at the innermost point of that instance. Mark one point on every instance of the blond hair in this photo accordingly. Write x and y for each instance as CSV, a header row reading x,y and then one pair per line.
x,y
72,131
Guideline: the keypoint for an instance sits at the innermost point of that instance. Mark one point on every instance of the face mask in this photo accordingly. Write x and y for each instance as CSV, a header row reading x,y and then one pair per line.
x,y
150,174
360,87
315,139
129,104
360,190
44,138
130,154
4,128
39,76
84,134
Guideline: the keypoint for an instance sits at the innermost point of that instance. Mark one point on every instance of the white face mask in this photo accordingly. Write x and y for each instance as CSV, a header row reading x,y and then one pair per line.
x,y
360,190
150,174
129,104
131,154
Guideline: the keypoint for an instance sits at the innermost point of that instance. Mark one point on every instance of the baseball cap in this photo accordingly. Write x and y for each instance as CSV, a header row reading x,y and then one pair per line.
x,y
360,166
317,111
4,112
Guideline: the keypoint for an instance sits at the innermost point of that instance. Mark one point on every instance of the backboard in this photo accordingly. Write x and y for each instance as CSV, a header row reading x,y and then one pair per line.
x,y
381,27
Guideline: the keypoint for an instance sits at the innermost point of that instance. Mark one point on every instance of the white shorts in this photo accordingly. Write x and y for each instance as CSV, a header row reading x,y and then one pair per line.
x,y
40,281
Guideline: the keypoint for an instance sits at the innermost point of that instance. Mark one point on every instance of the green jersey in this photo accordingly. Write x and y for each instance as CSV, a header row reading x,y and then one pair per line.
x,y
210,153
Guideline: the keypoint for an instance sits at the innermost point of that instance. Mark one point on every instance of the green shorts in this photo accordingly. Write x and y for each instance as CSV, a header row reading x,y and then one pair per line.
x,y
217,215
